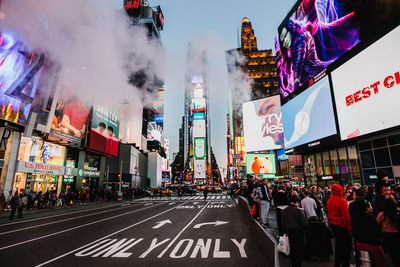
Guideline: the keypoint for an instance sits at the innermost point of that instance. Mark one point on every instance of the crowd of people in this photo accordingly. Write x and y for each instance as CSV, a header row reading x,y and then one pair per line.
x,y
20,201
362,219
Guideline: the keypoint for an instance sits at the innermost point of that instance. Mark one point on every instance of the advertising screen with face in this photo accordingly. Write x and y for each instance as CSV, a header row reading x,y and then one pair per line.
x,y
199,168
367,88
316,34
262,124
309,116
69,121
260,164
105,129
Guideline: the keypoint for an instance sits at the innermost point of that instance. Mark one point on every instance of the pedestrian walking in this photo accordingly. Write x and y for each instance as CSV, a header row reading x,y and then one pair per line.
x,y
2,201
309,205
389,221
21,204
339,222
265,199
205,192
13,204
294,224
8,203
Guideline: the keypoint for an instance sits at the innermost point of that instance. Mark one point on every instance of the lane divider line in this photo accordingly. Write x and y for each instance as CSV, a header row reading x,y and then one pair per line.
x,y
64,220
179,234
76,227
107,236
58,215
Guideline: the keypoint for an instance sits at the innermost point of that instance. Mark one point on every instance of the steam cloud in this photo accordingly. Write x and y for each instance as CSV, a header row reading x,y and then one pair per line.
x,y
95,44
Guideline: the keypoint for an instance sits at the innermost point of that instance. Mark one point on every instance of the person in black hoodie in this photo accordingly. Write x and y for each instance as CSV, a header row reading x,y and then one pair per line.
x,y
280,199
294,223
366,231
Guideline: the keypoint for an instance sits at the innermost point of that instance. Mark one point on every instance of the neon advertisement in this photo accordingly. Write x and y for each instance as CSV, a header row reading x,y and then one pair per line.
x,y
318,33
309,116
260,164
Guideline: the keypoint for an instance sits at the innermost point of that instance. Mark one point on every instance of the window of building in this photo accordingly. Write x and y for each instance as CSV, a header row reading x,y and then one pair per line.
x,y
318,159
382,158
367,159
334,161
379,143
343,163
365,146
354,167
327,163
394,139
395,154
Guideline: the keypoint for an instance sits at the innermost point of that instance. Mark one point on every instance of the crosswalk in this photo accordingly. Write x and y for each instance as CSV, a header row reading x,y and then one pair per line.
x,y
209,197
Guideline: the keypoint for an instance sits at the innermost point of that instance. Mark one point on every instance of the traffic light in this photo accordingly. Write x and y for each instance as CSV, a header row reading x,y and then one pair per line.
x,y
119,176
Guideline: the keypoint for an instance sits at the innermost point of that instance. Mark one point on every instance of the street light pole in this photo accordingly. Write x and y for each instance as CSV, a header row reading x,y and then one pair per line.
x,y
120,178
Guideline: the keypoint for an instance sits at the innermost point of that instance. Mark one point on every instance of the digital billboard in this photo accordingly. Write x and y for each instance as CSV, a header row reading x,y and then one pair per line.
x,y
198,116
199,105
199,148
104,132
69,121
154,132
315,35
281,155
309,116
198,92
262,124
24,76
199,128
200,169
260,164
367,88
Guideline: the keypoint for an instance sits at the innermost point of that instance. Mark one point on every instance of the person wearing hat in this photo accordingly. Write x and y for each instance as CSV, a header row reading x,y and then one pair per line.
x,y
294,224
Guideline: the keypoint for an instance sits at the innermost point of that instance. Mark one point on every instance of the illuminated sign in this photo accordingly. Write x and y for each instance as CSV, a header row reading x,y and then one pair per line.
x,y
260,163
198,116
198,92
199,105
199,148
88,173
197,79
132,4
281,155
367,89
32,167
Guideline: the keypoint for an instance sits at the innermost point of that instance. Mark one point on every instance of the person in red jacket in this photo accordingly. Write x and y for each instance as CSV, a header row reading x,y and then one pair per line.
x,y
339,221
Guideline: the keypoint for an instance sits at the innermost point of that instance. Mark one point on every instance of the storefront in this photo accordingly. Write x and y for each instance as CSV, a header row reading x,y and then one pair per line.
x,y
40,166
337,165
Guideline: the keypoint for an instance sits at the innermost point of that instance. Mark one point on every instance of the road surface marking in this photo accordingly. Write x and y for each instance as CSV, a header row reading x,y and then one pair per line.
x,y
184,228
162,223
218,253
107,236
58,215
171,203
53,222
73,228
203,248
148,204
213,197
240,247
178,246
216,223
153,245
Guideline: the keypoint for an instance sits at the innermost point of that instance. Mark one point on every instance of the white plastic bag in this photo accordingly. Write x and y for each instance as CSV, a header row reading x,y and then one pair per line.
x,y
284,245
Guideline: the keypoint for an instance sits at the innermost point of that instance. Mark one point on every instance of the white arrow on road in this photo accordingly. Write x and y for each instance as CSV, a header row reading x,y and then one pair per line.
x,y
216,223
171,203
162,223
148,204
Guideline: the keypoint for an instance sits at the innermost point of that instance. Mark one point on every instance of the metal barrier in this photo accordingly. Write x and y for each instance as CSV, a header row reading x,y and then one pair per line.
x,y
264,239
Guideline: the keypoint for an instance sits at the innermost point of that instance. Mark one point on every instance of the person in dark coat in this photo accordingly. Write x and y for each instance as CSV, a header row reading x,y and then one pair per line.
x,y
13,205
280,199
294,224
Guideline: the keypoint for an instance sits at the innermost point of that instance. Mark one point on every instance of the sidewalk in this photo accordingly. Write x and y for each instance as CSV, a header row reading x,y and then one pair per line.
x,y
35,213
285,260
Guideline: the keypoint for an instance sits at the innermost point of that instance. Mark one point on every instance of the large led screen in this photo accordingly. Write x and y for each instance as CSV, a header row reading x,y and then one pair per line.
x,y
260,164
24,76
309,116
105,130
262,124
69,121
367,88
315,35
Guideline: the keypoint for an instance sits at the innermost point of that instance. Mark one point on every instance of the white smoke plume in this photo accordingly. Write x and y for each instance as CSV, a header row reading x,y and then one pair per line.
x,y
94,43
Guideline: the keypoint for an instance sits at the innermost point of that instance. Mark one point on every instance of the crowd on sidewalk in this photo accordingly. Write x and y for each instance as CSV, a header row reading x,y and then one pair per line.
x,y
364,220
20,201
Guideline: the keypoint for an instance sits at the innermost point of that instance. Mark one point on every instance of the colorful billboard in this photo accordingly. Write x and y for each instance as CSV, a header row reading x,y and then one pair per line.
x,y
281,155
154,132
166,147
367,89
262,124
24,76
199,105
199,128
68,126
316,34
309,116
104,132
260,164
200,169
199,148
198,116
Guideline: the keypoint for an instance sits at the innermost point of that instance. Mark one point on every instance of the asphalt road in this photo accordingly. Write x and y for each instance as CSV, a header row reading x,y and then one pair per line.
x,y
176,232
